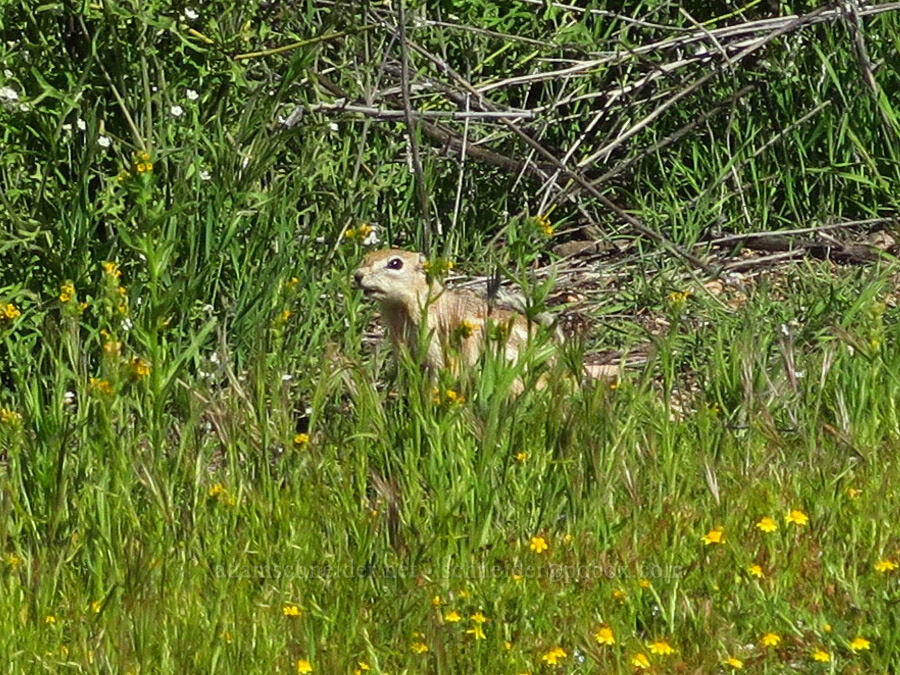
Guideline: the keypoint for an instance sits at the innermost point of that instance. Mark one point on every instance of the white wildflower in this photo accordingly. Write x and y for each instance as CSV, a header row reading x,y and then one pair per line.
x,y
176,110
205,175
104,141
81,124
8,95
191,94
190,14
372,238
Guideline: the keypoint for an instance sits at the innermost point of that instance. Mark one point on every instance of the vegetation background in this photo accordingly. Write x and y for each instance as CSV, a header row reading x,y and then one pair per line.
x,y
206,465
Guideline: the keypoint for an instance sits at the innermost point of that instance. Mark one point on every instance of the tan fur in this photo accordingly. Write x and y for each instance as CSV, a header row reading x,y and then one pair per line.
x,y
459,324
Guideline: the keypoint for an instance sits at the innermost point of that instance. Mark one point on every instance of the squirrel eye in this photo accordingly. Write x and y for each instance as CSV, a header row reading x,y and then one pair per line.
x,y
395,264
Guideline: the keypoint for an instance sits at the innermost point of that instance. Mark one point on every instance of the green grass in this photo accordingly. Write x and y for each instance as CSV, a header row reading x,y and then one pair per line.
x,y
205,466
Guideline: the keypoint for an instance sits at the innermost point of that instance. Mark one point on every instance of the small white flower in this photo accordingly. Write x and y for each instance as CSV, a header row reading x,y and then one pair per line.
x,y
190,14
104,141
81,124
7,73
205,175
8,94
333,126
176,110
191,94
287,377
69,398
371,239
214,357
127,325
66,127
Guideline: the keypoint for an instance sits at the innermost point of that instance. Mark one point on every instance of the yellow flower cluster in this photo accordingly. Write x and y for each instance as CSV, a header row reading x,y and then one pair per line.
x,y
66,292
678,299
543,222
142,163
290,609
554,656
10,418
437,268
538,545
464,330
100,386
447,397
9,311
359,233
140,368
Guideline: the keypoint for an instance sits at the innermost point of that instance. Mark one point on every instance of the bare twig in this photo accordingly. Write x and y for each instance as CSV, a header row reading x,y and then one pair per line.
x,y
411,132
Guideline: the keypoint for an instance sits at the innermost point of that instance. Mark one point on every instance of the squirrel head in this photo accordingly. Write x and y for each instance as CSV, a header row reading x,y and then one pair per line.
x,y
393,277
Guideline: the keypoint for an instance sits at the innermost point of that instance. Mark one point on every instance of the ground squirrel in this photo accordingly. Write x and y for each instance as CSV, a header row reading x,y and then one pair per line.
x,y
458,323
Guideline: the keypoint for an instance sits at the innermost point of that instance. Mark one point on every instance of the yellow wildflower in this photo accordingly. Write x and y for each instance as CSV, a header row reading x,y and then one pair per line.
x,y
543,221
140,367
796,517
770,640
476,632
660,648
419,647
10,418
215,490
112,347
289,609
854,493
100,386
361,667
478,617
678,299
859,644
50,620
10,311
96,606
826,627
645,583
605,636
767,524
539,544
304,666
66,292
755,571
821,655
619,595
734,663
521,456
640,661
554,656
436,601
112,269
464,329
452,616
885,565
301,439
714,536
